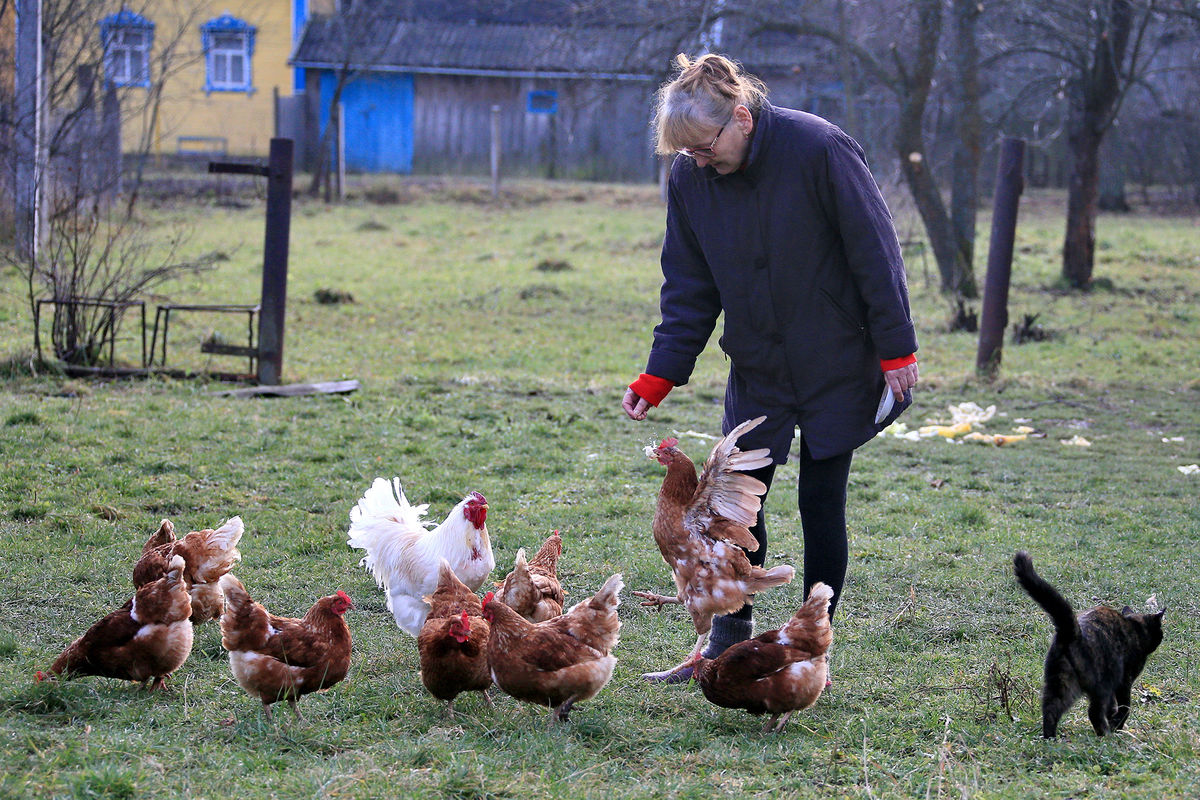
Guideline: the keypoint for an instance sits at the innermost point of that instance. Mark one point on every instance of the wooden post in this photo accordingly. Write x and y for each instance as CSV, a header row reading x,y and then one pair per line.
x,y
83,149
110,146
495,151
28,140
1010,182
275,261
340,149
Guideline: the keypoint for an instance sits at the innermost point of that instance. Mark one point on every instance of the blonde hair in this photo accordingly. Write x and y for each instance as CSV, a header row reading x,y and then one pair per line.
x,y
703,95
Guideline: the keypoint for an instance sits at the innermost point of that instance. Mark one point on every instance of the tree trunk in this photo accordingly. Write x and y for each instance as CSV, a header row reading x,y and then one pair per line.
x,y
968,125
910,145
322,165
1079,245
955,277
1093,102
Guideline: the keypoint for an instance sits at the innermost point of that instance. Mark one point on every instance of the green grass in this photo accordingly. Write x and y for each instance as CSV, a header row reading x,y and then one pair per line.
x,y
481,371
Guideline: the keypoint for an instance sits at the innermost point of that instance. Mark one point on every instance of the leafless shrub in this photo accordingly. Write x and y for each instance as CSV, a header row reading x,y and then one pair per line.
x,y
96,255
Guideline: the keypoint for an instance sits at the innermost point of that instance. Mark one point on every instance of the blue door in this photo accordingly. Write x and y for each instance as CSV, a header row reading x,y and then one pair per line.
x,y
379,120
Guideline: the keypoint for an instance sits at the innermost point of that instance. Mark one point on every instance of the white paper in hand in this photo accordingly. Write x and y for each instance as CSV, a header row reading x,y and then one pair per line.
x,y
885,404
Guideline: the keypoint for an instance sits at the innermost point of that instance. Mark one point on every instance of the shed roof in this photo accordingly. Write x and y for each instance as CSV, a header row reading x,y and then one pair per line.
x,y
485,49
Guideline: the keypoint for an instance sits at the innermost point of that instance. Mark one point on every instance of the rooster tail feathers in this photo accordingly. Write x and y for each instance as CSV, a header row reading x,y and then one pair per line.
x,y
1046,596
379,523
386,501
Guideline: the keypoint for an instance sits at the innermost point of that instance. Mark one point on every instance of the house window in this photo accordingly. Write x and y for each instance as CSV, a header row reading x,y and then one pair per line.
x,y
542,102
228,49
127,39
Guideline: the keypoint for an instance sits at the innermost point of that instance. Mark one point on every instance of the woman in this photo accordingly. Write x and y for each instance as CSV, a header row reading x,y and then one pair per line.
x,y
774,219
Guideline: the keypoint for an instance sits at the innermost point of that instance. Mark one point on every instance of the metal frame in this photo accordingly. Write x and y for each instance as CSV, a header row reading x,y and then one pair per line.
x,y
163,314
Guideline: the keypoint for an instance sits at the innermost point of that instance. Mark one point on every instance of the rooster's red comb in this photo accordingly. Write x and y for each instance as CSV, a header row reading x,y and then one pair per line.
x,y
466,622
487,598
667,443
345,598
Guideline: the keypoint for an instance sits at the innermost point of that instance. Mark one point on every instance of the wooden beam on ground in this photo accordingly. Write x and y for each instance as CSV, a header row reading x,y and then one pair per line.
x,y
291,389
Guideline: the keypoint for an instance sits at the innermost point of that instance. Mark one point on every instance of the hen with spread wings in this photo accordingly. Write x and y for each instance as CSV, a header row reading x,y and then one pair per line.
x,y
702,528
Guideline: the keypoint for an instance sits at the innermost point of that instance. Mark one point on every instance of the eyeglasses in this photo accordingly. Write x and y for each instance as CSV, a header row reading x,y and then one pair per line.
x,y
704,152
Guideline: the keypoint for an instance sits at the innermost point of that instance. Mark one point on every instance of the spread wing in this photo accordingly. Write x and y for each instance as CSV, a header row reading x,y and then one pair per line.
x,y
727,501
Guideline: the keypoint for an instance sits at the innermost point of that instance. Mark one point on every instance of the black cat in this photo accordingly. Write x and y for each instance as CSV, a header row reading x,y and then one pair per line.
x,y
1099,653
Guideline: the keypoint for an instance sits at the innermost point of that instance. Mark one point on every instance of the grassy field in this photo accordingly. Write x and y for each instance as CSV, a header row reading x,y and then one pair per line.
x,y
493,342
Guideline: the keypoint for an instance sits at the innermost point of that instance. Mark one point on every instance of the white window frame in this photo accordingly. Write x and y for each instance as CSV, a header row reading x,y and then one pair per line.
x,y
225,52
120,56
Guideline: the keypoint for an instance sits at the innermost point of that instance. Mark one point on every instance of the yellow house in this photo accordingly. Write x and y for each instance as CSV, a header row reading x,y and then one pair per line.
x,y
197,76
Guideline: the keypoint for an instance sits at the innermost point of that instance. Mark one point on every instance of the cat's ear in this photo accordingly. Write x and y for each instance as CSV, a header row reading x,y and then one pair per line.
x,y
1127,612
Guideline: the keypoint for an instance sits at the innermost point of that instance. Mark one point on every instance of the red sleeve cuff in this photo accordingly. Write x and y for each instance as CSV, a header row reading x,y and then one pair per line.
x,y
651,388
889,364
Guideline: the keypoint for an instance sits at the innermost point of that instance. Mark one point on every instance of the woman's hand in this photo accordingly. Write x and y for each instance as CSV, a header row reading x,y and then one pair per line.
x,y
636,407
901,380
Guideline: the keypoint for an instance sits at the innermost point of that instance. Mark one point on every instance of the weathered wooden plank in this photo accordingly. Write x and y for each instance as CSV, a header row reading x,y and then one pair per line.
x,y
291,389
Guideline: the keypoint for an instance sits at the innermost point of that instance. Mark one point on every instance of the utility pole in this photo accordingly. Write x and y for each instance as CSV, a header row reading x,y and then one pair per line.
x,y
28,139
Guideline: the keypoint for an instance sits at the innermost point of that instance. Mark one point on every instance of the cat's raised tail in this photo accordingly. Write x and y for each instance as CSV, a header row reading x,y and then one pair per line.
x,y
1047,597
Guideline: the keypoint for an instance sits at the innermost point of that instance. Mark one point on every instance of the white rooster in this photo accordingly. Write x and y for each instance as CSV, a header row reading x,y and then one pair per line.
x,y
404,553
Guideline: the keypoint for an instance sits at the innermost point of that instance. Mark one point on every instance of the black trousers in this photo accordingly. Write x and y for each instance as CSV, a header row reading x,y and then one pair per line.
x,y
822,501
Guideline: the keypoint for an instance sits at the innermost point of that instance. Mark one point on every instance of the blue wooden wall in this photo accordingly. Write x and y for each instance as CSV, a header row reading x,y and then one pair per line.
x,y
379,120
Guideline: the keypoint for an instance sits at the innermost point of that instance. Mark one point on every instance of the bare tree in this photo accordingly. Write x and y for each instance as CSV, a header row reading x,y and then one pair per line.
x,y
904,56
95,259
1091,53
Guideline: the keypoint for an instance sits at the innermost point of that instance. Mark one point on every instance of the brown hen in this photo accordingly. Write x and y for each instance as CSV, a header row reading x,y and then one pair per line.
x,y
532,588
453,641
778,672
145,640
280,658
208,554
542,663
702,528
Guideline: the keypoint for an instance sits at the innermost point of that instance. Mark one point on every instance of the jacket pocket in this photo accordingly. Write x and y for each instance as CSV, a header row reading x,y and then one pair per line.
x,y
842,312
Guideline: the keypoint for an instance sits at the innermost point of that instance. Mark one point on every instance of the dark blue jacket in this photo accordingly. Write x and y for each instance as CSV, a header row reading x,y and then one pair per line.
x,y
799,250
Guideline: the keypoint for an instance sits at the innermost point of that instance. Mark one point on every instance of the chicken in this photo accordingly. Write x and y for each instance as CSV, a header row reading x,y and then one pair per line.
x,y
146,640
279,658
542,663
453,641
532,588
701,526
593,621
778,672
404,555
208,554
